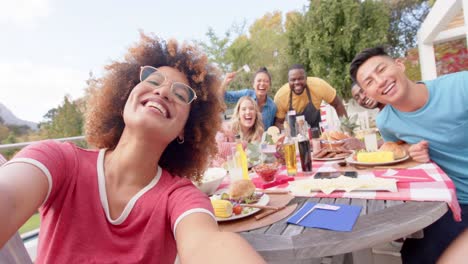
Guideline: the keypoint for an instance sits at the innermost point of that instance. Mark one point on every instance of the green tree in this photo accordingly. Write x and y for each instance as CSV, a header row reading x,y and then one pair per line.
x,y
216,48
4,132
64,121
270,45
265,45
11,139
406,17
327,37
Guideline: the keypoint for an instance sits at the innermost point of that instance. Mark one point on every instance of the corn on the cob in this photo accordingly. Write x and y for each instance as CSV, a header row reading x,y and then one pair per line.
x,y
222,208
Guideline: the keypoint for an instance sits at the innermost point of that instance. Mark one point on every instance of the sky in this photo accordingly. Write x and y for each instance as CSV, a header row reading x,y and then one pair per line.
x,y
48,47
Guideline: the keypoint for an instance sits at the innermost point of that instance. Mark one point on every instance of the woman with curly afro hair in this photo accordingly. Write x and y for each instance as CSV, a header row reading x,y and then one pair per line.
x,y
153,119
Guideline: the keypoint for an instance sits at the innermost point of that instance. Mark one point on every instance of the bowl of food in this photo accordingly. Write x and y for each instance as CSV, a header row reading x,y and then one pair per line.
x,y
267,171
211,180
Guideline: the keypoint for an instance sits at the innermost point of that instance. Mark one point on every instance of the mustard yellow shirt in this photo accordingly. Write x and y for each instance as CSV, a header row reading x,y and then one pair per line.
x,y
319,90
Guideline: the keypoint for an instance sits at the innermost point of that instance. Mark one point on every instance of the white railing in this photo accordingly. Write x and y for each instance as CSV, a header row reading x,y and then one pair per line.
x,y
24,144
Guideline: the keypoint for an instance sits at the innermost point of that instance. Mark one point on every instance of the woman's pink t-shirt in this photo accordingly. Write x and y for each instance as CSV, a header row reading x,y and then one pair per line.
x,y
75,223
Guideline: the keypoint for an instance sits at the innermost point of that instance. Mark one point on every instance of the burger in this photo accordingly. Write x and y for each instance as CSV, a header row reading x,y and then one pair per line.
x,y
399,152
241,189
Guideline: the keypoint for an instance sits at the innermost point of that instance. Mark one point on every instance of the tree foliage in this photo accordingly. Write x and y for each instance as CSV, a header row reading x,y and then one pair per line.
x,y
264,45
64,121
406,17
10,134
327,37
216,48
270,45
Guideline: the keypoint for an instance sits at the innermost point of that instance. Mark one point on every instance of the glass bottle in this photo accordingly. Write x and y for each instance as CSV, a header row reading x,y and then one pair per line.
x,y
292,123
304,145
289,151
316,144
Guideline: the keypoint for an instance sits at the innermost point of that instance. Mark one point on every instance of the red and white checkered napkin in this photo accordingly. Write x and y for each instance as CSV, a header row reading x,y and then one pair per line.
x,y
441,188
281,179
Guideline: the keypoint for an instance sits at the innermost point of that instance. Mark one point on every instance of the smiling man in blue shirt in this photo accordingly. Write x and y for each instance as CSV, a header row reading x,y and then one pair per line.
x,y
432,117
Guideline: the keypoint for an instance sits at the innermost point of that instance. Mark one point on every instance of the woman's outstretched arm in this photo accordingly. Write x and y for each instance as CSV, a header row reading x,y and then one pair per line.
x,y
23,187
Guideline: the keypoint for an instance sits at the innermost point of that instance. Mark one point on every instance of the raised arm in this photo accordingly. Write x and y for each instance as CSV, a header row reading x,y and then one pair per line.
x,y
200,241
227,80
23,187
339,107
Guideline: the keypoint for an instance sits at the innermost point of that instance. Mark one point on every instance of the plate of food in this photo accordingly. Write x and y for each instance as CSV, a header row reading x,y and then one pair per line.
x,y
327,154
389,153
231,204
341,183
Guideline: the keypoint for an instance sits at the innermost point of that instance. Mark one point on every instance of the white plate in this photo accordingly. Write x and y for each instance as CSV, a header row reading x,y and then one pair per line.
x,y
305,187
263,201
350,160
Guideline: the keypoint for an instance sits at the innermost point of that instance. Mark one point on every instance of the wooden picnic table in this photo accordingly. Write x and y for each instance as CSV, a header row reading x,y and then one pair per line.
x,y
380,221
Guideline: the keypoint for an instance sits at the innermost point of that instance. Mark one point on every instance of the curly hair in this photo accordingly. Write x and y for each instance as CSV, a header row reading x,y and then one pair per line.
x,y
104,121
256,131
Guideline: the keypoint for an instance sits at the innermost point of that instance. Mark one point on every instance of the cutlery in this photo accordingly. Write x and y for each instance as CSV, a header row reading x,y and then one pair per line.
x,y
267,213
245,68
318,206
268,207
272,191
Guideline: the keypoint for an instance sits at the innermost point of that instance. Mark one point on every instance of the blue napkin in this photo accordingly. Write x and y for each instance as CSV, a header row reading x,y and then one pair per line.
x,y
342,219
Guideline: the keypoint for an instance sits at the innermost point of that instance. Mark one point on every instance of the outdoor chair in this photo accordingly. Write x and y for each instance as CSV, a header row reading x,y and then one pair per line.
x,y
14,252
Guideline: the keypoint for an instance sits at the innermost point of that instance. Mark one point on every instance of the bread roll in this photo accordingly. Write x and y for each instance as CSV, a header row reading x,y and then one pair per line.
x,y
398,151
334,135
241,189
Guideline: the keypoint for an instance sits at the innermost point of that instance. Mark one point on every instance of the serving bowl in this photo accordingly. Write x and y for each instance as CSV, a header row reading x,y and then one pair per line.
x,y
211,180
267,171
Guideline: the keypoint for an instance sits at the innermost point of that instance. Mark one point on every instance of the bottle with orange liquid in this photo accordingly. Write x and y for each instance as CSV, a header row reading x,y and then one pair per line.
x,y
289,151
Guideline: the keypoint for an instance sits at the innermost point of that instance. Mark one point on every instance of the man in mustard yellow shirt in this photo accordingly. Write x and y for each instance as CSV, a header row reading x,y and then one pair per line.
x,y
304,95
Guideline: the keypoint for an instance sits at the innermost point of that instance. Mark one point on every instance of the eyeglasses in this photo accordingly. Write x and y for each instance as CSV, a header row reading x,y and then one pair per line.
x,y
184,93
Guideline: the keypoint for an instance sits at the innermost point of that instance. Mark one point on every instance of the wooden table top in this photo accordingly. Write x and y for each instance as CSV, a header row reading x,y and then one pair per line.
x,y
380,221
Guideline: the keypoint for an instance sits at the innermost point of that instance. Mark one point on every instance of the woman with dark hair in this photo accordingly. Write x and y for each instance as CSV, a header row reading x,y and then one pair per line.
x,y
153,118
261,86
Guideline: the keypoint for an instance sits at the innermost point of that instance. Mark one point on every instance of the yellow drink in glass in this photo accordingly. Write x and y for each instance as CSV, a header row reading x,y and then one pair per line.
x,y
290,158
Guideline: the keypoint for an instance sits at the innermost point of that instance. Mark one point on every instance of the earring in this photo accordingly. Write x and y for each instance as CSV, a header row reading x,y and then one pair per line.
x,y
180,140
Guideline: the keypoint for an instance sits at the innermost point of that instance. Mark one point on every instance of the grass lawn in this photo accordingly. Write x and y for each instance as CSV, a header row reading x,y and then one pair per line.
x,y
31,224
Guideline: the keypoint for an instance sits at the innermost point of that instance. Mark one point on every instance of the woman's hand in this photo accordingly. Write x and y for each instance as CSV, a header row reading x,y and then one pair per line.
x,y
200,241
419,151
228,79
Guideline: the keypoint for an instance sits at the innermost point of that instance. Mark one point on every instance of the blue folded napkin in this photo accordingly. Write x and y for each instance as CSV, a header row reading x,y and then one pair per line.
x,y
342,219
